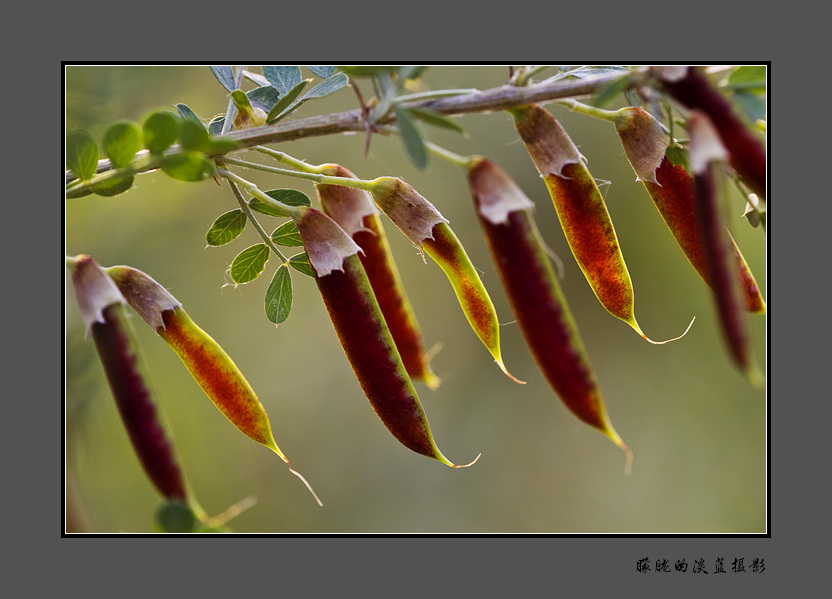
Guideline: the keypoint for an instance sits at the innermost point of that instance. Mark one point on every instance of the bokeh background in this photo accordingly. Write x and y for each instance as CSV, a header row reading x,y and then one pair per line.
x,y
697,428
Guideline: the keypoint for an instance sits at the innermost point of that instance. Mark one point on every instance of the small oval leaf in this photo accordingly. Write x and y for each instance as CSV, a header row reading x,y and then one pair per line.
x,y
327,86
292,197
300,262
160,130
188,166
414,145
187,114
226,228
81,154
121,141
249,264
436,118
322,71
287,235
282,77
225,75
113,185
286,104
278,302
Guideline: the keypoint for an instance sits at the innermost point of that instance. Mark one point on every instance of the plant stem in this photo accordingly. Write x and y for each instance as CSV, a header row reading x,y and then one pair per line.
x,y
491,100
452,157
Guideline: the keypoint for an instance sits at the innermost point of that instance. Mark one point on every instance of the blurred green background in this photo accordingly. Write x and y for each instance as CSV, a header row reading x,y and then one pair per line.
x,y
695,425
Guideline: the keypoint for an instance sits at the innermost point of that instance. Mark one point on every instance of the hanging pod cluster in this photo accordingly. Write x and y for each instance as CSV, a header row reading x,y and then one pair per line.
x,y
361,328
209,365
581,210
506,216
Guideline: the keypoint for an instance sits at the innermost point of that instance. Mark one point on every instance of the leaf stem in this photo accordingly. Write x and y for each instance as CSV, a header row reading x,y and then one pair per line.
x,y
250,216
254,191
366,185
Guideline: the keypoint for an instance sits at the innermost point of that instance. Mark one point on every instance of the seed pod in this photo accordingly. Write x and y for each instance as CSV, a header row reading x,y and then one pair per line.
x,y
363,332
747,152
581,210
102,308
422,223
707,156
209,365
506,216
672,190
354,211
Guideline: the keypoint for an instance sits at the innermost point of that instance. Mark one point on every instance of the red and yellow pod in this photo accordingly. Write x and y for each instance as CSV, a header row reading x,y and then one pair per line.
x,y
746,150
207,362
707,157
103,311
429,231
363,332
506,216
581,210
672,189
354,211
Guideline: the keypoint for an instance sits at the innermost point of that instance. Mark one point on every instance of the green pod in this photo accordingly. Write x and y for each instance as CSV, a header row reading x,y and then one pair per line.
x,y
672,189
581,210
506,217
103,308
355,212
422,223
363,333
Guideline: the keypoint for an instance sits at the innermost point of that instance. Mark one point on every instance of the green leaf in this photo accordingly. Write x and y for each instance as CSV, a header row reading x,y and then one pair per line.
x,y
226,228
263,97
752,105
300,262
414,145
240,100
113,186
436,118
322,71
279,296
249,264
187,114
327,86
283,77
160,130
188,166
609,91
287,103
410,71
81,154
121,141
287,235
225,75
751,78
292,197
193,136
215,125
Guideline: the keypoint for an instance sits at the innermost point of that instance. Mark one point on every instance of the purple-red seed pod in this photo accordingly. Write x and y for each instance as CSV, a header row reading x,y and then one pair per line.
x,y
707,157
103,309
747,153
506,216
363,332
672,190
354,211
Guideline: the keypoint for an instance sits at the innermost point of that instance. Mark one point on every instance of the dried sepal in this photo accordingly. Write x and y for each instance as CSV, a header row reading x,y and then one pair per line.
x,y
93,288
414,215
327,245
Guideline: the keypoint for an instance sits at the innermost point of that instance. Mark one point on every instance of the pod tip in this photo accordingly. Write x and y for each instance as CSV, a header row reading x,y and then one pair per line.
x,y
646,338
468,464
508,374
305,482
